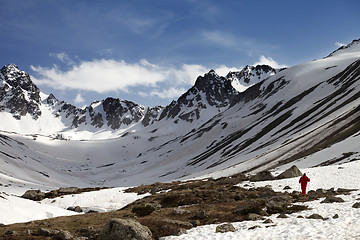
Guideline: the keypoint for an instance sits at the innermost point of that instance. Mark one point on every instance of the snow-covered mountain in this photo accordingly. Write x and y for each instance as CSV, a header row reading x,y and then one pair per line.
x,y
307,114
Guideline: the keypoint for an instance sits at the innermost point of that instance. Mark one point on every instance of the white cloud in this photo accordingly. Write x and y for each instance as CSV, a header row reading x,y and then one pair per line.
x,y
99,76
223,70
269,61
79,99
188,73
104,75
339,44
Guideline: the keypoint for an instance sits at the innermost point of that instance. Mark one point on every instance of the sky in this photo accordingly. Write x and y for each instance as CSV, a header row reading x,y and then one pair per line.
x,y
151,51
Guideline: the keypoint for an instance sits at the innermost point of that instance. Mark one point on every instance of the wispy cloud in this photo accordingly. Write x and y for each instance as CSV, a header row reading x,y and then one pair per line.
x,y
269,61
339,44
222,39
63,57
79,99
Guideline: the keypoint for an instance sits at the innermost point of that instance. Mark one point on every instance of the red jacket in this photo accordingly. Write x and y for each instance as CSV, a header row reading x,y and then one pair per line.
x,y
304,180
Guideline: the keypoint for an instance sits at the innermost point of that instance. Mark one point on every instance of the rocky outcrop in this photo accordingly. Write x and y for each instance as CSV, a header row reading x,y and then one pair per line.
x,y
262,176
126,229
290,173
35,195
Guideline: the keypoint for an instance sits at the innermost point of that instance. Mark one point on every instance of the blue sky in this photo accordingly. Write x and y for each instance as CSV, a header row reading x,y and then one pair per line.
x,y
151,51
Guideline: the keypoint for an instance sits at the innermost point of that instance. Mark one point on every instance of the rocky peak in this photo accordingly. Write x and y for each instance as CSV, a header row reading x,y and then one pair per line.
x,y
18,94
250,75
120,112
209,91
51,99
14,77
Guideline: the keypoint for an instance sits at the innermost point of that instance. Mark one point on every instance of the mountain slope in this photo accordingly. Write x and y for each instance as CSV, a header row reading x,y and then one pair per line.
x,y
308,114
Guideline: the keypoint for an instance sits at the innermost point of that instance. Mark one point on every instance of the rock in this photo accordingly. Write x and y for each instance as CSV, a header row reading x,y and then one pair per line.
x,y
63,235
88,231
28,232
202,214
68,190
10,232
44,232
246,207
335,216
287,188
92,211
282,215
315,216
262,176
332,199
277,204
356,205
290,173
2,225
227,227
178,223
180,211
268,221
344,191
196,223
35,195
254,217
254,227
75,209
179,231
125,229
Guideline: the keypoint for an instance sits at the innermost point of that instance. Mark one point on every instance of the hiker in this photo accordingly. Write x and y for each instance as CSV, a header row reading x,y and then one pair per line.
x,y
303,181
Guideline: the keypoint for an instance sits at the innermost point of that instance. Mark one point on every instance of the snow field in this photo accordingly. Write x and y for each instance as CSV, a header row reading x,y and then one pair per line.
x,y
15,209
294,228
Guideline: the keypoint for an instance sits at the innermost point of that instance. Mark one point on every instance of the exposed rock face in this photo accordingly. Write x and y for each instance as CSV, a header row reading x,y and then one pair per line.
x,y
252,74
120,112
126,229
18,93
209,91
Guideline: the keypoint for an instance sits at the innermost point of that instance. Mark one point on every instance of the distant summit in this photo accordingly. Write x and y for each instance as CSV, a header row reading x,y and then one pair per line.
x,y
250,75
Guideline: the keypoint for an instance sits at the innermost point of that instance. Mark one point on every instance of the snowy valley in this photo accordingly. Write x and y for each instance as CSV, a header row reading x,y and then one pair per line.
x,y
250,121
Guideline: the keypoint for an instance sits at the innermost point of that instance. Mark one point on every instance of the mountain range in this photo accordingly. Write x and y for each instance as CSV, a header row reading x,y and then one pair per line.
x,y
256,119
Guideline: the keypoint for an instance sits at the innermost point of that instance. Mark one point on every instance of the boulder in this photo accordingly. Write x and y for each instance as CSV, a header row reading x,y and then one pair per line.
x,y
226,227
75,209
179,231
290,173
262,176
315,216
63,235
254,217
332,199
126,229
35,195
356,205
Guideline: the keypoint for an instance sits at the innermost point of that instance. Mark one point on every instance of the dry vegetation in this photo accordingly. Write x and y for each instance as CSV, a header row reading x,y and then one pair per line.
x,y
175,206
